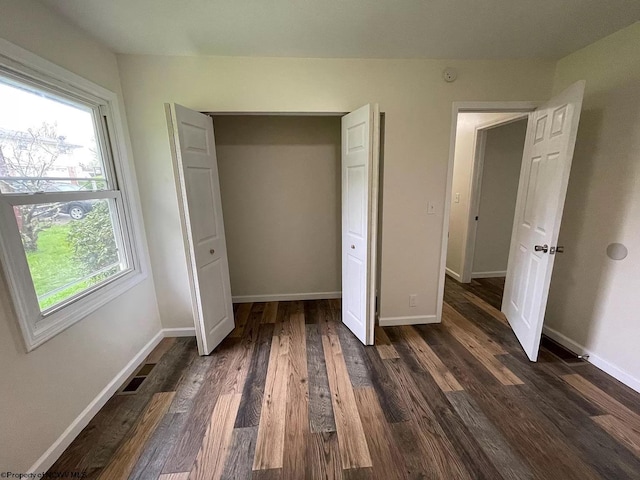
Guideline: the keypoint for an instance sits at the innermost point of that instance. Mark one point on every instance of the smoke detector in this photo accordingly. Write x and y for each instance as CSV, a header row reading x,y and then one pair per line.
x,y
449,75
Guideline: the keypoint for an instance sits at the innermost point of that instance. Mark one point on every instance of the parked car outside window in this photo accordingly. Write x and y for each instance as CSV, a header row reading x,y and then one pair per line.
x,y
78,208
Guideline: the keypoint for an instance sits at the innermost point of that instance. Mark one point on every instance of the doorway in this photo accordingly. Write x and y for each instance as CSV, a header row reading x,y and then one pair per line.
x,y
488,154
547,155
486,171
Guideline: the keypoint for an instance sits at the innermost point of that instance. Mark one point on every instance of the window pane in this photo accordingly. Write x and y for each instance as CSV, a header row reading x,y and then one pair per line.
x,y
46,144
69,247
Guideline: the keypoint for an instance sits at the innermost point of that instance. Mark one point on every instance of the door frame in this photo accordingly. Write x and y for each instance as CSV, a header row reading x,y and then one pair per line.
x,y
475,193
524,107
375,234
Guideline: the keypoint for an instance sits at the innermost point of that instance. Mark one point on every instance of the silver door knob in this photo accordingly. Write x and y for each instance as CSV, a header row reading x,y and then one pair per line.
x,y
212,251
541,248
353,247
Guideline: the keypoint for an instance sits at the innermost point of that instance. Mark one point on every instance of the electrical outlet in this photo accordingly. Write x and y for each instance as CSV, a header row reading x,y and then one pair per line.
x,y
457,200
413,300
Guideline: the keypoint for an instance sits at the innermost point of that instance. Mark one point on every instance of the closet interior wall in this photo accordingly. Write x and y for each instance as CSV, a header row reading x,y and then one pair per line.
x,y
281,199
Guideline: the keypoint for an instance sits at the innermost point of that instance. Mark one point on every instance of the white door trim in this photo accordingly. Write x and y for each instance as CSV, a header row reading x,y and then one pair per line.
x,y
456,108
240,113
477,168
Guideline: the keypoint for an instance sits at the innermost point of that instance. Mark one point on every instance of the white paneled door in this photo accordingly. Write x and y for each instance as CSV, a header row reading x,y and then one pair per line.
x,y
360,163
544,176
198,186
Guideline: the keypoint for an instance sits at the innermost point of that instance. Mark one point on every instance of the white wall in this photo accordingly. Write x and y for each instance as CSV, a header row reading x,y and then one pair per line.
x,y
498,193
462,182
45,390
594,301
417,103
280,183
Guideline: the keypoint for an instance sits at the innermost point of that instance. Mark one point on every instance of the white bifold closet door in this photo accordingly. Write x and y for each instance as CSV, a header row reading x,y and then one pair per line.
x,y
360,167
194,153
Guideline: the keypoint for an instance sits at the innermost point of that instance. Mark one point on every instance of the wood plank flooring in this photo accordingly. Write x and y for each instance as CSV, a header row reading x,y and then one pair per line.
x,y
291,394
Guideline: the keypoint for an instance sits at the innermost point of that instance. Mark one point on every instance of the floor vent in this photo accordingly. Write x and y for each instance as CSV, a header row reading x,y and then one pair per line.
x,y
135,382
564,354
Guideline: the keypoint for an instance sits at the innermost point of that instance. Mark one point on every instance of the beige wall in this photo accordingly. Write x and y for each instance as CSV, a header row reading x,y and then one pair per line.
x,y
280,182
46,389
594,301
462,175
417,103
499,191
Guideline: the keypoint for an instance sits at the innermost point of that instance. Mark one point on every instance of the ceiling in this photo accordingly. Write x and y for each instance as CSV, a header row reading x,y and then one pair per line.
x,y
469,29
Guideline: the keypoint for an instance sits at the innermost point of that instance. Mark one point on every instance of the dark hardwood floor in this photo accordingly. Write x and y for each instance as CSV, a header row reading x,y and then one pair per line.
x,y
291,394
487,289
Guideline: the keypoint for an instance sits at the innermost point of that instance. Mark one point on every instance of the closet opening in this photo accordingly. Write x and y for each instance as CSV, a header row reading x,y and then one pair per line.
x,y
280,182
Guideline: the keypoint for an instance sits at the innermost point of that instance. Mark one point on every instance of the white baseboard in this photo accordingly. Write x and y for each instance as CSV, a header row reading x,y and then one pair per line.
x,y
595,359
453,274
179,332
410,320
563,340
49,457
286,297
499,273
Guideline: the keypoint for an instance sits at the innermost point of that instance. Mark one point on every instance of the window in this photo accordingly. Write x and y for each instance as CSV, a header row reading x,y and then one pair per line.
x,y
67,236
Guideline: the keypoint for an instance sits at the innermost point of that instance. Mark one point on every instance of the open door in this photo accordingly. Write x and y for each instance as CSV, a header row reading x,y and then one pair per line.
x,y
546,163
196,166
360,164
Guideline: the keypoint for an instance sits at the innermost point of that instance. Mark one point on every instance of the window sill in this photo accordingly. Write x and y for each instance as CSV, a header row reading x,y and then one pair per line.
x,y
58,321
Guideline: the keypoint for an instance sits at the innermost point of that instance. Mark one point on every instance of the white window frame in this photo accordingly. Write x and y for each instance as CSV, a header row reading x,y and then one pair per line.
x,y
37,328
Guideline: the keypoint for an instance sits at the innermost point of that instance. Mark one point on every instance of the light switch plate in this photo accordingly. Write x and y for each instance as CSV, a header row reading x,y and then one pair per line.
x,y
431,208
